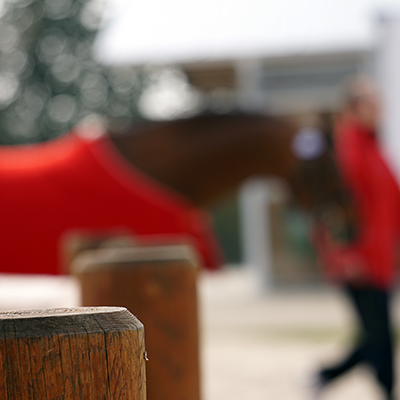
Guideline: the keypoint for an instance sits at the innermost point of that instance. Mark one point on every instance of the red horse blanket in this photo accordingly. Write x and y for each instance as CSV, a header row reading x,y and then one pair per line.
x,y
81,184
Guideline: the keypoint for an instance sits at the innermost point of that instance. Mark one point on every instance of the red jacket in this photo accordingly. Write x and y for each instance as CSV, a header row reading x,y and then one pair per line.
x,y
76,184
376,197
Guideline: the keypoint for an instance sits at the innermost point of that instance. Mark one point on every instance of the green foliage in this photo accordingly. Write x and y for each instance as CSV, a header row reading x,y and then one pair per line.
x,y
49,80
227,229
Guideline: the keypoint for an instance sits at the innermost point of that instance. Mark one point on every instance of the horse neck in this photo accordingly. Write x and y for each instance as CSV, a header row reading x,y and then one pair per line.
x,y
205,159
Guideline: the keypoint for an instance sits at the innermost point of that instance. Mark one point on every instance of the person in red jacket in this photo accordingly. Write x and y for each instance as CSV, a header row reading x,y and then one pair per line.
x,y
366,266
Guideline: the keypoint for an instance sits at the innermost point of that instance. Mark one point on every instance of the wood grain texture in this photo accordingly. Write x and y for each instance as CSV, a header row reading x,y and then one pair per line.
x,y
158,285
72,354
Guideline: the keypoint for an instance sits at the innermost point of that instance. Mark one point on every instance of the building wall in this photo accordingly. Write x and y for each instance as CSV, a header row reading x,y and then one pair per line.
x,y
302,86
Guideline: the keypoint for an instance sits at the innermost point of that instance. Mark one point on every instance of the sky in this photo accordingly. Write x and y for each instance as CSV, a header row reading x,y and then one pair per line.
x,y
185,31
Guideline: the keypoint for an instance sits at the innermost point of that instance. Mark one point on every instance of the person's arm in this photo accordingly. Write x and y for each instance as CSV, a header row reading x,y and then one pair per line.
x,y
341,263
371,257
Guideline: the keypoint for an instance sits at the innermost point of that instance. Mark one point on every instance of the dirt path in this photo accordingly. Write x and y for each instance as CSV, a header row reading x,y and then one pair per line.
x,y
254,346
259,347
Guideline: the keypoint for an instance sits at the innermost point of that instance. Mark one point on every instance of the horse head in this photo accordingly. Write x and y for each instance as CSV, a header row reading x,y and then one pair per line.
x,y
317,185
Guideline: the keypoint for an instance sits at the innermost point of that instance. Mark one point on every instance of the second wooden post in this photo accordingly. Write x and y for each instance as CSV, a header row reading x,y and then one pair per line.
x,y
158,285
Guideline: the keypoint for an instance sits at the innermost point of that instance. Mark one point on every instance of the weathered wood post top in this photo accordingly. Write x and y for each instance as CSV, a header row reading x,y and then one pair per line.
x,y
72,353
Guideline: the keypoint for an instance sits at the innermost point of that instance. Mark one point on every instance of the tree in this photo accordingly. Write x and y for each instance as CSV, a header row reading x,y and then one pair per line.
x,y
49,80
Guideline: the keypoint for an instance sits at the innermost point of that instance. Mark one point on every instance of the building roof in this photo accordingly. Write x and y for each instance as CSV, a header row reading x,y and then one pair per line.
x,y
181,31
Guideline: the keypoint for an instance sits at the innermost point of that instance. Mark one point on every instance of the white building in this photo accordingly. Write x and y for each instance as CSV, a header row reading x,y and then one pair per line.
x,y
286,57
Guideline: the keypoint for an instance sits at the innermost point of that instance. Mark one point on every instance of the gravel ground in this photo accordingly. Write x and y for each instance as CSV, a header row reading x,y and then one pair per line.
x,y
254,346
267,346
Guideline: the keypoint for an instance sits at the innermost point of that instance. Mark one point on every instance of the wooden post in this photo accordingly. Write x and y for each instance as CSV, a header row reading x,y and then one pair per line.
x,y
72,354
158,285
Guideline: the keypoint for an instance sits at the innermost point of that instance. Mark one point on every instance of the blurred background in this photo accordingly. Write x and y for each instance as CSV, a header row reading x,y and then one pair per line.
x,y
62,61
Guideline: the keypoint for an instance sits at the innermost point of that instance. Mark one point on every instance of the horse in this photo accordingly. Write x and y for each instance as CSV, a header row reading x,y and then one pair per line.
x,y
153,181
207,157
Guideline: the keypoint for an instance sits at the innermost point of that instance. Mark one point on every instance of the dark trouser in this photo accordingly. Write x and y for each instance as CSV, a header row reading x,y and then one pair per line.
x,y
375,345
